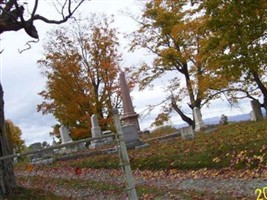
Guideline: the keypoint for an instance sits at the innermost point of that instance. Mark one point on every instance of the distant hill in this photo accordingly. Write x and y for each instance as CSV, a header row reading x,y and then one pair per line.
x,y
216,120
234,118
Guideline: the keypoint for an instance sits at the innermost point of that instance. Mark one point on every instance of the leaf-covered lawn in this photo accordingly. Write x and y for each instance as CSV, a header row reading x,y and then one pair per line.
x,y
33,194
236,146
236,152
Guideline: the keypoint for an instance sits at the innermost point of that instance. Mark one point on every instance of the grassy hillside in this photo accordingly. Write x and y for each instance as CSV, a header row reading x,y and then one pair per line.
x,y
224,150
237,145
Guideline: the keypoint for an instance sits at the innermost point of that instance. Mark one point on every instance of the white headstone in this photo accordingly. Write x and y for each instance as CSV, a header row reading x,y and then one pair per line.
x,y
252,116
96,132
187,133
199,123
256,109
64,134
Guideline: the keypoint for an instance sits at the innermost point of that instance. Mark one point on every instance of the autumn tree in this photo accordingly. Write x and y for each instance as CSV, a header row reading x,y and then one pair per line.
x,y
172,31
15,15
237,47
81,65
13,133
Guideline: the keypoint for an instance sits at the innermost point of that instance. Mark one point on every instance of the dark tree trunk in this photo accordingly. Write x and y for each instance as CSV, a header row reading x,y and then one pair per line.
x,y
262,88
7,178
186,119
265,105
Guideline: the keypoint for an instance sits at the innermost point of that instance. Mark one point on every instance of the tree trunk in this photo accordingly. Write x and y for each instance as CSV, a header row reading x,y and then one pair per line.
x,y
262,88
186,119
7,177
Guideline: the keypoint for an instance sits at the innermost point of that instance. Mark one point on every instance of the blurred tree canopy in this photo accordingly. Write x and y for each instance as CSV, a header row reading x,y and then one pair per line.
x,y
81,65
13,133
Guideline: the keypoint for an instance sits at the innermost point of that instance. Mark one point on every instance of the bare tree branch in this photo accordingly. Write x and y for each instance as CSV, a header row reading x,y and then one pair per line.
x,y
224,91
29,46
12,16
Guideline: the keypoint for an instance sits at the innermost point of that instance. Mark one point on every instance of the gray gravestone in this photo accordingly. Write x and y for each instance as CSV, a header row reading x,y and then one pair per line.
x,y
130,135
108,139
199,123
187,133
64,134
224,119
36,156
256,109
96,132
36,146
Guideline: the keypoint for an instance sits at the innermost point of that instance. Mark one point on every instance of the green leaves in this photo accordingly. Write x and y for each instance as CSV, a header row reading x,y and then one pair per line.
x,y
236,42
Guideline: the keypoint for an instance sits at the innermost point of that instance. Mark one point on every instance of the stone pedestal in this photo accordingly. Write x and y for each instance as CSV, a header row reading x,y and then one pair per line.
x,y
199,123
130,135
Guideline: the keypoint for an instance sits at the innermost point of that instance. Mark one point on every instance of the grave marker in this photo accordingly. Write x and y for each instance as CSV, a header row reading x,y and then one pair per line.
x,y
64,134
129,115
256,114
199,123
187,133
96,132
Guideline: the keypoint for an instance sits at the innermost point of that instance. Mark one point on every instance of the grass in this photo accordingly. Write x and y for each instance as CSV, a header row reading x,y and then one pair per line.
x,y
144,192
21,193
238,145
74,184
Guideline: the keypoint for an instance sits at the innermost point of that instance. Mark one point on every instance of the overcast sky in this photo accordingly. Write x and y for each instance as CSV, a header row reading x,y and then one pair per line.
x,y
22,81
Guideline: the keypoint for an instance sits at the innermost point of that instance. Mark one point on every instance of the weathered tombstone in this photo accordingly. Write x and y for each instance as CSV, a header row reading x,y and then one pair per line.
x,y
199,123
64,134
187,133
108,139
256,109
96,132
36,146
130,135
224,119
36,156
65,138
129,115
252,116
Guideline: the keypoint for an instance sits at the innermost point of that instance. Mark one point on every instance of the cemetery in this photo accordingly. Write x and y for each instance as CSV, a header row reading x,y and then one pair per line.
x,y
140,100
166,168
205,161
208,161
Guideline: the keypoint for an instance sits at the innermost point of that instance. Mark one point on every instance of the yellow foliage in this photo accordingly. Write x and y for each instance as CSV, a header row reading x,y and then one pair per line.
x,y
81,65
13,132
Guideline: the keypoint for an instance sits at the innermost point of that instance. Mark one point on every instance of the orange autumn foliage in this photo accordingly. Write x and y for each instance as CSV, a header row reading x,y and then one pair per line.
x,y
81,65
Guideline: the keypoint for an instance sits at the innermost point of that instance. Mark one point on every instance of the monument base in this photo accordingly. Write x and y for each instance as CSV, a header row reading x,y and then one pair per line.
x,y
96,144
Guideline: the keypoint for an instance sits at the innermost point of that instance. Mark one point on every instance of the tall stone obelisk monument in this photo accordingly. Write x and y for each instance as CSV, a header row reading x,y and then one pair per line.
x,y
129,115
